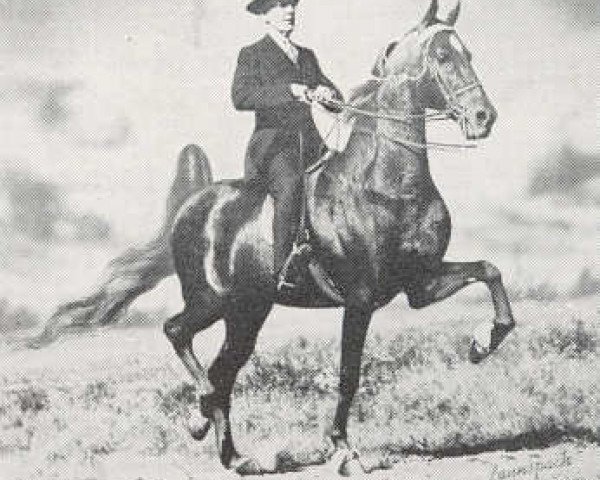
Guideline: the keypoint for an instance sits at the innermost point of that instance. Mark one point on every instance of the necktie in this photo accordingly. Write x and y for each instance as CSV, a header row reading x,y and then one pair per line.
x,y
290,50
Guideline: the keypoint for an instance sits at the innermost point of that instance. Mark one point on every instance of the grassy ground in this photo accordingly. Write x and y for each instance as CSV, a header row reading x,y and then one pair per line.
x,y
121,397
123,392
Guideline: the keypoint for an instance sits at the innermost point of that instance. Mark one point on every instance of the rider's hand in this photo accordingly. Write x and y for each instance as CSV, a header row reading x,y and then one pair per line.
x,y
300,92
324,94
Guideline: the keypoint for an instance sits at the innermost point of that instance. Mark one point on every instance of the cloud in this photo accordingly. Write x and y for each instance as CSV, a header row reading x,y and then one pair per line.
x,y
586,13
568,172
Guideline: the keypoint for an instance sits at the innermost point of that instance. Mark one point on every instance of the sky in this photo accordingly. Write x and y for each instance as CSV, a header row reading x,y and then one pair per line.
x,y
100,96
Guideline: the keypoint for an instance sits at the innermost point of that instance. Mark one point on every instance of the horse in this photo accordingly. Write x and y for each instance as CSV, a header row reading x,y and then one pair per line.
x,y
378,227
377,222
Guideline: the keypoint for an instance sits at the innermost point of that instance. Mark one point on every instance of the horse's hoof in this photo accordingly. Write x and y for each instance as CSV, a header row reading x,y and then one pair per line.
x,y
377,464
477,353
246,466
198,426
486,340
347,463
274,460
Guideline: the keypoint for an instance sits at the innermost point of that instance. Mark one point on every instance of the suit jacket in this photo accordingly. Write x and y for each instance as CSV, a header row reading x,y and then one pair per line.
x,y
262,84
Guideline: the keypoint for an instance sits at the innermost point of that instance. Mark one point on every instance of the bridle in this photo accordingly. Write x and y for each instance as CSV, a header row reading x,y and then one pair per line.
x,y
450,96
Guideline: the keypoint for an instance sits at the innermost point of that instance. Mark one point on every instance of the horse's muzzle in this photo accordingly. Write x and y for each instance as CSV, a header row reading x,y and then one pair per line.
x,y
478,124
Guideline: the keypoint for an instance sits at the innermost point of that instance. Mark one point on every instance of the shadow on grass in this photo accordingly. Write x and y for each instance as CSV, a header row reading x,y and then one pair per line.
x,y
525,441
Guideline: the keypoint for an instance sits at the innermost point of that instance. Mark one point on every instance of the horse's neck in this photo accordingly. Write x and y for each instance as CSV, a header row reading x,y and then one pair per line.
x,y
399,162
403,144
404,137
403,103
386,147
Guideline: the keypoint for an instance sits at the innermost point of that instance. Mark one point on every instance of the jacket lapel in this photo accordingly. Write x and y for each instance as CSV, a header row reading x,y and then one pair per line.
x,y
277,53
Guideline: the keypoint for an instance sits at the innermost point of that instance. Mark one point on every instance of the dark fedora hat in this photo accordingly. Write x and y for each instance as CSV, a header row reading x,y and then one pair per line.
x,y
258,7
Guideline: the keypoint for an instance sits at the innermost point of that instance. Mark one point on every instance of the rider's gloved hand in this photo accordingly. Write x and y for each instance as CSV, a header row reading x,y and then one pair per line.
x,y
301,92
324,94
327,97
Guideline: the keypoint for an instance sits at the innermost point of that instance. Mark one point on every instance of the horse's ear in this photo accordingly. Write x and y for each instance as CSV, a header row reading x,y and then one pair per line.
x,y
453,15
379,67
429,17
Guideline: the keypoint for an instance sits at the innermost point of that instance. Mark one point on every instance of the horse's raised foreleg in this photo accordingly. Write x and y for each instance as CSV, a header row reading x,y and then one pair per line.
x,y
354,331
243,322
453,276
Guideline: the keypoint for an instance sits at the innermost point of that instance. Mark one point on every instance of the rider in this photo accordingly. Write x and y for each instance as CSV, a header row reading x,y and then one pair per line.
x,y
277,79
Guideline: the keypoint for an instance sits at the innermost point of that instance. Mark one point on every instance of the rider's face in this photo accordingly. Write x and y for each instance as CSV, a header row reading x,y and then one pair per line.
x,y
282,16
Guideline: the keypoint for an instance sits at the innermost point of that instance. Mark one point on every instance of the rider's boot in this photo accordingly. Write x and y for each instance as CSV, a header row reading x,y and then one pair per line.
x,y
290,275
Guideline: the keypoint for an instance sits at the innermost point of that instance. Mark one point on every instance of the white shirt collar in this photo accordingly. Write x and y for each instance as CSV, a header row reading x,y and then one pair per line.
x,y
284,43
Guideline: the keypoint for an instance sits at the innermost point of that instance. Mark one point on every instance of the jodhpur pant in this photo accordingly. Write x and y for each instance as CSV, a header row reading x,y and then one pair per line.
x,y
277,159
285,184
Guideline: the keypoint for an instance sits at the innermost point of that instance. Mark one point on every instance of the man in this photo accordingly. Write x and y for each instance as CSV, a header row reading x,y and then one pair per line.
x,y
277,80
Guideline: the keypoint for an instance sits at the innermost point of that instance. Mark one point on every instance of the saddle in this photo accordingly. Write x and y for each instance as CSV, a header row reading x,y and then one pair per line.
x,y
335,128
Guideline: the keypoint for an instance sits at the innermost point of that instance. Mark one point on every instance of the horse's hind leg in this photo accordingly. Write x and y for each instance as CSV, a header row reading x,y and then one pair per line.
x,y
453,276
180,330
243,321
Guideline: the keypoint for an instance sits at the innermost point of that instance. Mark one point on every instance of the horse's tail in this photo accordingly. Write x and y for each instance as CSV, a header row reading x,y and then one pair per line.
x,y
138,269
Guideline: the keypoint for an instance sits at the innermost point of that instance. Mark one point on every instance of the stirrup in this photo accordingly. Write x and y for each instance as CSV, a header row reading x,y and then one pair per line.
x,y
298,250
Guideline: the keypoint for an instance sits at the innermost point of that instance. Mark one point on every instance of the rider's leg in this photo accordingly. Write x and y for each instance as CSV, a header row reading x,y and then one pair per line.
x,y
286,183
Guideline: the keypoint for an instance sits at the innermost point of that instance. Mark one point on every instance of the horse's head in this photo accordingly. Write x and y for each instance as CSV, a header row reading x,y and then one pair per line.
x,y
433,56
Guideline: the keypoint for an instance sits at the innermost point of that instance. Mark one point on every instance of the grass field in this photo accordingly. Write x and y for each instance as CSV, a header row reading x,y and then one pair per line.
x,y
120,397
120,392
87,155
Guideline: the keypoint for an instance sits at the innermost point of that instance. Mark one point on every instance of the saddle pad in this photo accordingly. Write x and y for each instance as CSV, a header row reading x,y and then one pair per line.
x,y
334,130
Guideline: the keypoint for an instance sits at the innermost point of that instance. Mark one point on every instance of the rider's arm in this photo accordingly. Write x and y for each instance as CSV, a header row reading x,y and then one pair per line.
x,y
323,80
248,91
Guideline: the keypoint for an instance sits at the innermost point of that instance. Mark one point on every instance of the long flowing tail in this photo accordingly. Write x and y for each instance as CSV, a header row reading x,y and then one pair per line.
x,y
138,269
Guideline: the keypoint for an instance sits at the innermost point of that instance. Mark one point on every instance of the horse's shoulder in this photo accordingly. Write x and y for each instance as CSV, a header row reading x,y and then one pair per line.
x,y
353,162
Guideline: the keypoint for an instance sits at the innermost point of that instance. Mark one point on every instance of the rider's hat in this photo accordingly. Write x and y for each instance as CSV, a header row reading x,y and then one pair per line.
x,y
258,7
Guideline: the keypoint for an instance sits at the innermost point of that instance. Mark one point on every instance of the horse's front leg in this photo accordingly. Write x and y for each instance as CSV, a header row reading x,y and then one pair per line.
x,y
453,276
354,331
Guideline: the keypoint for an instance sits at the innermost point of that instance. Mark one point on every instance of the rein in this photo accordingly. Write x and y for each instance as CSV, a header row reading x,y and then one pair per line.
x,y
409,143
440,115
435,145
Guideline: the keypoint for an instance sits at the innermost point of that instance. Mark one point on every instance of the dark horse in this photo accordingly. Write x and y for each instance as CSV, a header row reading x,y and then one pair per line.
x,y
377,223
360,213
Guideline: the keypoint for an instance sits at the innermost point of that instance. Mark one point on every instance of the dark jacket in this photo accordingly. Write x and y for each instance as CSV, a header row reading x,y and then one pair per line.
x,y
262,84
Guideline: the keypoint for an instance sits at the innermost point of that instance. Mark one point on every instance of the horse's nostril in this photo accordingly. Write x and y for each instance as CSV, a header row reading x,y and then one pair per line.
x,y
481,116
